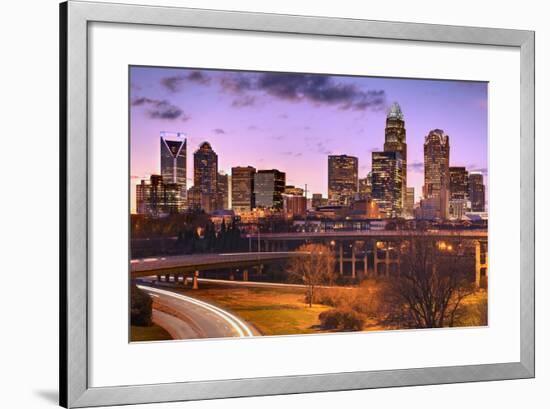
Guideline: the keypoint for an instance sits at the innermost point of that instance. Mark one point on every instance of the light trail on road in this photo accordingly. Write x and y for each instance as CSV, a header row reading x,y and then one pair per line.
x,y
237,324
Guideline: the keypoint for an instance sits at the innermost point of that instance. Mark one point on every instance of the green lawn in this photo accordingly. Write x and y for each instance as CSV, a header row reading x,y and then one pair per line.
x,y
273,311
152,333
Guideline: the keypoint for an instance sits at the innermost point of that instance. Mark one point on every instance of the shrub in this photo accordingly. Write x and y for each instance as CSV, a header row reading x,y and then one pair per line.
x,y
141,308
341,319
364,299
334,297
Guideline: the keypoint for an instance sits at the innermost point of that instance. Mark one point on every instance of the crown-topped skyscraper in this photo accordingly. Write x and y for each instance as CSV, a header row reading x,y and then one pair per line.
x,y
395,141
173,161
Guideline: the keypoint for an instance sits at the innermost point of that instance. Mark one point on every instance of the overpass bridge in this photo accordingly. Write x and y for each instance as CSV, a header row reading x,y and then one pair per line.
x,y
371,234
194,263
354,248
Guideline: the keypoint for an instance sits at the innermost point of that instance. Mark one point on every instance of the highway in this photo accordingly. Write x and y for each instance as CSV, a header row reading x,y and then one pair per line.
x,y
189,318
189,263
264,284
374,234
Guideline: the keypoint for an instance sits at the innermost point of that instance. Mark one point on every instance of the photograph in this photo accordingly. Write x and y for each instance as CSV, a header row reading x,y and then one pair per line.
x,y
290,203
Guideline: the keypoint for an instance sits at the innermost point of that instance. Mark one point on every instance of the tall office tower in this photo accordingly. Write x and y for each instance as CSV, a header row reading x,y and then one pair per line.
x,y
173,161
365,186
458,183
387,183
395,140
242,189
342,179
476,192
269,186
194,198
408,206
223,191
206,175
156,198
436,172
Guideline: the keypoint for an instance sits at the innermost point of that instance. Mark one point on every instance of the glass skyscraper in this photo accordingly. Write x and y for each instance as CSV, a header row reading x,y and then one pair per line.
x,y
436,173
395,141
173,161
387,183
205,175
342,179
408,204
242,188
223,191
476,192
458,182
269,186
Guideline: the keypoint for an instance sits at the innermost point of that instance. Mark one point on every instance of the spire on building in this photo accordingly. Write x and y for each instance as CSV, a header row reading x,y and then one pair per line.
x,y
395,112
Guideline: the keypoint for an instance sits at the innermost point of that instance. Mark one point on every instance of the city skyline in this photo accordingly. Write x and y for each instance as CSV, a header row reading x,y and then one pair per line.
x,y
325,115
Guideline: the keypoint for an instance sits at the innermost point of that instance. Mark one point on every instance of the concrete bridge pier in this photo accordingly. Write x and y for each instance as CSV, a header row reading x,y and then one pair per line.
x,y
245,274
385,260
341,258
353,272
481,265
376,260
196,280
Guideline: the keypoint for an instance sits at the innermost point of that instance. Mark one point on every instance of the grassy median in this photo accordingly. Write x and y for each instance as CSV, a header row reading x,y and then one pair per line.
x,y
273,311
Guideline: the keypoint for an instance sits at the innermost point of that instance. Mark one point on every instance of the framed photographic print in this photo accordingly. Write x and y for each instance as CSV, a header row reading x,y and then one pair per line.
x,y
257,204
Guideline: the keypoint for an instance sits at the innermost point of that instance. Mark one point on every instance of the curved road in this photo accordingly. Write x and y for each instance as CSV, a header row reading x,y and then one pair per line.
x,y
189,318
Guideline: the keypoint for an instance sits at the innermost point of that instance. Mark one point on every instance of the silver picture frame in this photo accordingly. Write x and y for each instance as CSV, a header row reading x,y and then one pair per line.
x,y
75,17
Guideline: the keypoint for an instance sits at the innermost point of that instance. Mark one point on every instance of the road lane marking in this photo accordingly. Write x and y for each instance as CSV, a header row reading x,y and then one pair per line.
x,y
237,324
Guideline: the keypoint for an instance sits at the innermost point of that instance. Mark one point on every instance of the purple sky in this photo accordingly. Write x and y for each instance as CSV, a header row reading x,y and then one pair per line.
x,y
291,122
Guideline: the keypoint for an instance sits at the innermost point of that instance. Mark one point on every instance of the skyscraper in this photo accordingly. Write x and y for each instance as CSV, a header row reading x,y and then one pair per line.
x,y
206,175
395,140
194,198
476,192
173,161
436,172
242,188
458,183
269,186
365,186
408,205
387,183
223,191
342,179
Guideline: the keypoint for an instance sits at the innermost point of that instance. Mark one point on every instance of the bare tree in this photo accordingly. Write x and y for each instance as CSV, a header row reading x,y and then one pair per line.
x,y
435,278
315,267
